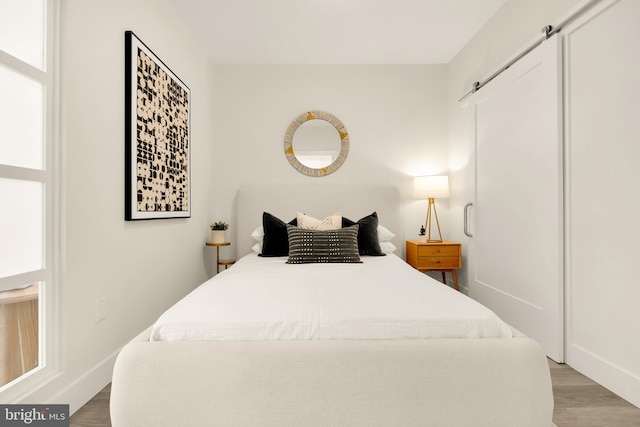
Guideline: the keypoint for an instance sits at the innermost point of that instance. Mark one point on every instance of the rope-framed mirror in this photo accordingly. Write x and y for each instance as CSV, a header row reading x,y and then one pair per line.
x,y
316,143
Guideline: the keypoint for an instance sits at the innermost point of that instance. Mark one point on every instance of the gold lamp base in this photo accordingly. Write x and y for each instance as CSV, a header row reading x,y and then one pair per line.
x,y
432,206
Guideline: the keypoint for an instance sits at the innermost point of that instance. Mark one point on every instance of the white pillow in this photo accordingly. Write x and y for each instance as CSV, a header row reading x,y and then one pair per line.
x,y
331,222
257,248
258,234
384,235
387,247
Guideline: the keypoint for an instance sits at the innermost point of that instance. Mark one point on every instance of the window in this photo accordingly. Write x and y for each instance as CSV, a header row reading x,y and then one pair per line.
x,y
27,194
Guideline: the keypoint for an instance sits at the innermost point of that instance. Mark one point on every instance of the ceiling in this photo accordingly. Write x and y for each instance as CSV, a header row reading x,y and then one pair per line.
x,y
335,31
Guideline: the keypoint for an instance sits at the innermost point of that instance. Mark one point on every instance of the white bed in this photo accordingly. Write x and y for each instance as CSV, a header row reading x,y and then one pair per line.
x,y
371,344
381,299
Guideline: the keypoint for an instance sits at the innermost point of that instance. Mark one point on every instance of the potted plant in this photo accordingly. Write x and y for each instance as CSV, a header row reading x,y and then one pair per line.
x,y
218,232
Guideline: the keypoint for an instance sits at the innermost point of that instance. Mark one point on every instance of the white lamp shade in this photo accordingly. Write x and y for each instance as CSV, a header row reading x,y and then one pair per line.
x,y
425,187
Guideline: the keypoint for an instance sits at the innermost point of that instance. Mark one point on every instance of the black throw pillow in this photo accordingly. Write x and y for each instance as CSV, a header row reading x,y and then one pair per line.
x,y
368,243
276,239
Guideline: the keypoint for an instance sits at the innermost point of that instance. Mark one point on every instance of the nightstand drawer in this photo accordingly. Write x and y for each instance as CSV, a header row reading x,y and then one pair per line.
x,y
439,250
442,256
438,262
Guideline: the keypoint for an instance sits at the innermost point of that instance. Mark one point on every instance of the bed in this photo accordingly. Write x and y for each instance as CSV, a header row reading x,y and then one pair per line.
x,y
334,355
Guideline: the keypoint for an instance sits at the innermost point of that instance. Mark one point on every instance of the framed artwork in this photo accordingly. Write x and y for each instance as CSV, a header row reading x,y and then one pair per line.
x,y
157,137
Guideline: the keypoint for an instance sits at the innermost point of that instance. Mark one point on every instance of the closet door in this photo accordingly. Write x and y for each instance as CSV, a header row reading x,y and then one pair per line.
x,y
516,251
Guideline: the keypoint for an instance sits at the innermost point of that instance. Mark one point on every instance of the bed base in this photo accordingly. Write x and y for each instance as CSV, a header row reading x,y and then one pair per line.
x,y
439,382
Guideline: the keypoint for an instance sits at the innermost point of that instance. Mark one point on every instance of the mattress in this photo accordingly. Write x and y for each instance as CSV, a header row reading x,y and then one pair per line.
x,y
383,298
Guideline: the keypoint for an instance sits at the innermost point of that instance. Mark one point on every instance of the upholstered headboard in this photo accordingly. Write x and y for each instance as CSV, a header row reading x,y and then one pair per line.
x,y
318,200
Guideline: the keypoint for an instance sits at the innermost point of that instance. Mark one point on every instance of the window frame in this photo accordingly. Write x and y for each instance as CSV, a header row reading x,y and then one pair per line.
x,y
50,177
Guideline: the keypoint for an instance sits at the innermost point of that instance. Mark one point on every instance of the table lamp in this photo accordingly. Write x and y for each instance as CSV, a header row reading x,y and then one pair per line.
x,y
431,187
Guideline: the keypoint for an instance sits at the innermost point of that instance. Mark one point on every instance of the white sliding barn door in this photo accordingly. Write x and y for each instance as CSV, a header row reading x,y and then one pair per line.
x,y
516,251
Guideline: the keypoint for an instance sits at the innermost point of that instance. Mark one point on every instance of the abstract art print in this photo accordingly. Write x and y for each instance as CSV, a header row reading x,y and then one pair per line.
x,y
157,137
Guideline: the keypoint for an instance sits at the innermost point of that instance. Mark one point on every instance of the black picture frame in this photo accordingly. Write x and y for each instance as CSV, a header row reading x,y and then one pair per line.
x,y
157,137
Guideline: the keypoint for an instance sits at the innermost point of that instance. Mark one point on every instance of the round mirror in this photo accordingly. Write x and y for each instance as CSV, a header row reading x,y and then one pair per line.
x,y
316,143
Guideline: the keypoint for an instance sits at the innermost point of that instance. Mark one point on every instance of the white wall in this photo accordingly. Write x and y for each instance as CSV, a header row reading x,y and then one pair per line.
x,y
516,24
141,267
395,116
603,182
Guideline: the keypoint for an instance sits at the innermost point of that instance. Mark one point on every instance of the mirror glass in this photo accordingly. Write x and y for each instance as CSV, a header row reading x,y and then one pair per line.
x,y
316,143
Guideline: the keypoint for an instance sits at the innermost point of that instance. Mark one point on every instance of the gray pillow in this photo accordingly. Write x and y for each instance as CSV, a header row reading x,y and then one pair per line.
x,y
311,246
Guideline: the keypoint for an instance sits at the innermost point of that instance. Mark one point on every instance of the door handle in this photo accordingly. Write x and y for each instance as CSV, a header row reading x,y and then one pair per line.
x,y
466,219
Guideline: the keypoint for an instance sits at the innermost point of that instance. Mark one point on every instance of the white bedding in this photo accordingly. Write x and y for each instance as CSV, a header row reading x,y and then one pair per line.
x,y
382,298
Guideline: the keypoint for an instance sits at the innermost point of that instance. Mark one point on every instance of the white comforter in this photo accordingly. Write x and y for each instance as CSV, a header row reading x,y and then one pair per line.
x,y
382,298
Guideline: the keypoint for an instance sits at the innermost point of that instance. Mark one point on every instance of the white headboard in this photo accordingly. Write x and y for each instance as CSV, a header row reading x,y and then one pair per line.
x,y
318,200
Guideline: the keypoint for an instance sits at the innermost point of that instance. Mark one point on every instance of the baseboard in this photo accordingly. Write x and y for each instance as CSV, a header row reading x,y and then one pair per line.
x,y
620,381
88,385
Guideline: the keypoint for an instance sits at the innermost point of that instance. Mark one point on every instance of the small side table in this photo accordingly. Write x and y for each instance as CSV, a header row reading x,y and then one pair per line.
x,y
219,262
442,256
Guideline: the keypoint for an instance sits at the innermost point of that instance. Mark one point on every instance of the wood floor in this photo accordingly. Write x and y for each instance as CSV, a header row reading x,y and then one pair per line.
x,y
579,402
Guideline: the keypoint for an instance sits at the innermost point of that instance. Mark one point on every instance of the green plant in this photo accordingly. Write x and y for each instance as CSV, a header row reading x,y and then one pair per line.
x,y
219,225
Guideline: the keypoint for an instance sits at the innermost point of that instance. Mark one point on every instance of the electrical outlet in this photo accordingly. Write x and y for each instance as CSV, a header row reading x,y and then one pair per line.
x,y
101,309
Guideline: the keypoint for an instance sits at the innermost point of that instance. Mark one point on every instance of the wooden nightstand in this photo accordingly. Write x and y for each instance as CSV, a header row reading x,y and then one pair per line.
x,y
219,262
442,256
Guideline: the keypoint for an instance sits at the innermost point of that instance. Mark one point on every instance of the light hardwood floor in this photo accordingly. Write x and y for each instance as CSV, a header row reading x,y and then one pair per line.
x,y
579,402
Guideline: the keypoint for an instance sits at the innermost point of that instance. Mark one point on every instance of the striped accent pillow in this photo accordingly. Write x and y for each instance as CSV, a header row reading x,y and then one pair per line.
x,y
311,246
